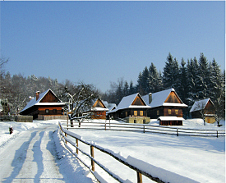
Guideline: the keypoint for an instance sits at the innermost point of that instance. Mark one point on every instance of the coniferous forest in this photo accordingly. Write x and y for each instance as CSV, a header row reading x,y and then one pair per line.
x,y
193,80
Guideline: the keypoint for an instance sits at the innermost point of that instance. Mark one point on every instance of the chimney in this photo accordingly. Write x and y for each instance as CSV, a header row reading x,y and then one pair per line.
x,y
150,98
30,98
37,95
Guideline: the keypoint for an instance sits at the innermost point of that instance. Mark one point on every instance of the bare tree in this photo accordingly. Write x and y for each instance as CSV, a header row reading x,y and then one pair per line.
x,y
80,101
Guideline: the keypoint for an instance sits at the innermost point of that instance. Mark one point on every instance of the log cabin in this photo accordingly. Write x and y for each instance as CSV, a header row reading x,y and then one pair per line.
x,y
98,110
165,106
204,109
44,104
132,108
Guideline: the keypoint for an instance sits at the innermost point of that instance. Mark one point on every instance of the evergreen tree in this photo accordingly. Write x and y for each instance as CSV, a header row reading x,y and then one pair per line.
x,y
155,81
182,88
204,76
132,88
192,81
215,81
170,73
126,89
143,82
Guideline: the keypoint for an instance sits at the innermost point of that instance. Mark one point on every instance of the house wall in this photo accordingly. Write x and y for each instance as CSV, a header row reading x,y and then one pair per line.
x,y
166,123
209,109
154,113
98,115
132,112
138,119
50,110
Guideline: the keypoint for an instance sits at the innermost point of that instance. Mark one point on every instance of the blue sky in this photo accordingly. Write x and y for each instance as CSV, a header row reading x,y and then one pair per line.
x,y
100,42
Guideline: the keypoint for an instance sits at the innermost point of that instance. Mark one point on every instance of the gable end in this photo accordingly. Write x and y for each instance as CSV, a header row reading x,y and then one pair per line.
x,y
173,98
138,101
50,97
99,103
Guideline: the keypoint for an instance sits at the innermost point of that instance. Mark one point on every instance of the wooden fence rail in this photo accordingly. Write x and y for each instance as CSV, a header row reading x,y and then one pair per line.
x,y
65,133
107,125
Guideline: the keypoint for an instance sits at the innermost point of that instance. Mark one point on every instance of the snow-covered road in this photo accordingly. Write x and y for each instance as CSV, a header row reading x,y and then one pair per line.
x,y
30,157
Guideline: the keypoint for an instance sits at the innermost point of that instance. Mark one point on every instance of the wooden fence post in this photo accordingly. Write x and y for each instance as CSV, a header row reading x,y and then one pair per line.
x,y
144,129
177,132
105,125
217,133
139,177
92,155
65,136
77,146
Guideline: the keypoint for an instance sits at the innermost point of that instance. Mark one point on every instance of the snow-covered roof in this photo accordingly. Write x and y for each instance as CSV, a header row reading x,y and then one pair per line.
x,y
110,106
99,108
158,99
170,118
199,105
127,101
34,102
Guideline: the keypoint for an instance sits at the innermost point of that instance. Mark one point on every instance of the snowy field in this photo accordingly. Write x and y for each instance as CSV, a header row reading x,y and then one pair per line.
x,y
197,158
201,159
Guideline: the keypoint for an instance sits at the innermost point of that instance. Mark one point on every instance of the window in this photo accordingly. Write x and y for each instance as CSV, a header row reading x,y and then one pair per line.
x,y
176,111
141,113
135,113
54,111
47,111
169,111
157,112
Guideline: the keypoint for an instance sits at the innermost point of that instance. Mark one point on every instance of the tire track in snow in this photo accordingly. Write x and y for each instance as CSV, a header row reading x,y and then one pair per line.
x,y
19,159
30,158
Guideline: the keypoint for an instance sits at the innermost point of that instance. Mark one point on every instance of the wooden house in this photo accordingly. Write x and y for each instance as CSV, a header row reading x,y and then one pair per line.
x,y
44,104
166,106
204,109
98,110
132,108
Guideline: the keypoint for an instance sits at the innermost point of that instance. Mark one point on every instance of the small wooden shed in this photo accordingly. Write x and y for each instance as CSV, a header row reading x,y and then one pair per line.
x,y
204,109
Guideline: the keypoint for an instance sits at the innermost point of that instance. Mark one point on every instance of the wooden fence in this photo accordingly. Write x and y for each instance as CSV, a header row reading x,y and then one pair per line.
x,y
65,133
145,128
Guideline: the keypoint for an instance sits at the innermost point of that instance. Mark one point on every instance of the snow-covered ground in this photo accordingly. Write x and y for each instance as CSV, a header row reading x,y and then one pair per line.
x,y
197,158
33,153
201,159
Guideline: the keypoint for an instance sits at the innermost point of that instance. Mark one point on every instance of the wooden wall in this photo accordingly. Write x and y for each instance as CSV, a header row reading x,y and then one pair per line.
x,y
98,115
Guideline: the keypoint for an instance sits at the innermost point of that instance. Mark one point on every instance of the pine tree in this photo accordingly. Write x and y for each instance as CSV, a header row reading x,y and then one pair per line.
x,y
155,81
204,76
215,82
143,82
132,89
182,82
192,81
126,89
170,72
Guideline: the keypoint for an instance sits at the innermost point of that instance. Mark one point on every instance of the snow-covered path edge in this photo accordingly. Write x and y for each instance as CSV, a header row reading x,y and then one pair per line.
x,y
69,166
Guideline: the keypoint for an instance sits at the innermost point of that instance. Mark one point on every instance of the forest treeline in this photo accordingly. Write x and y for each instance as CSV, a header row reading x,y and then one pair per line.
x,y
193,80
